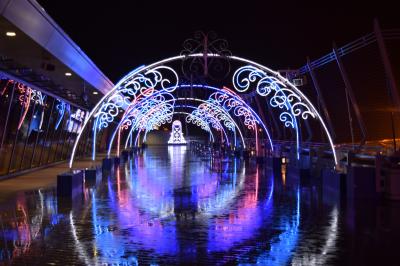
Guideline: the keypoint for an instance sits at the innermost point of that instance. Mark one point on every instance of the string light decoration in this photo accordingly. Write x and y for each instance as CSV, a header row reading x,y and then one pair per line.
x,y
281,96
137,116
202,67
61,107
27,96
163,117
140,82
145,80
206,116
176,134
197,121
8,82
138,85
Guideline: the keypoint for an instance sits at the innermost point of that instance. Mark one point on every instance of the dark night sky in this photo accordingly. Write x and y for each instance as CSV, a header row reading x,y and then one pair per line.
x,y
118,36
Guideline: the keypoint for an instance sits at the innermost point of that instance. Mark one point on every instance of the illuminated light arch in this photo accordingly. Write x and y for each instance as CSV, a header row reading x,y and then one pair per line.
x,y
157,121
204,125
141,117
142,78
215,112
215,124
140,81
145,120
240,108
235,97
199,121
131,107
229,104
135,113
203,101
282,98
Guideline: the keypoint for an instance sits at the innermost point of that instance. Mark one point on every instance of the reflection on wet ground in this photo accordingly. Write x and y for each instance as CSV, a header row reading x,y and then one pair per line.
x,y
170,207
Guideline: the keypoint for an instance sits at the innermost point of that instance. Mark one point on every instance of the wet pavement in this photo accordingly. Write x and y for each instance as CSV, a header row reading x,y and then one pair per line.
x,y
172,207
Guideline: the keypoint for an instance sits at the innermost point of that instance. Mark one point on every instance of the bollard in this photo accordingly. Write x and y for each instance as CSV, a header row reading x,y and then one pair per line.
x,y
392,183
70,184
361,182
91,176
333,186
90,173
107,164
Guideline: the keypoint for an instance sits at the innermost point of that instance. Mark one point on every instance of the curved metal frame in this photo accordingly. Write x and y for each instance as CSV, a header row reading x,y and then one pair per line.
x,y
151,76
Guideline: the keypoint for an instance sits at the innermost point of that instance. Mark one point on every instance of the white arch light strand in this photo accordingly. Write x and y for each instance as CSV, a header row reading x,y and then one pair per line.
x,y
136,82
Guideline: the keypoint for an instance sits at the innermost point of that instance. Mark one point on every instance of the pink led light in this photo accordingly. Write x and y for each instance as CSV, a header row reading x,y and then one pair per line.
x,y
6,86
25,101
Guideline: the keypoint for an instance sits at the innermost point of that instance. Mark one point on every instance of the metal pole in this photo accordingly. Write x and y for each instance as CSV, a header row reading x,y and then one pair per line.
x,y
387,65
350,94
392,90
321,98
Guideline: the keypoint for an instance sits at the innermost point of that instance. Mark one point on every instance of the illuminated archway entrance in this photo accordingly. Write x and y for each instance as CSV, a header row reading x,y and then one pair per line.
x,y
146,97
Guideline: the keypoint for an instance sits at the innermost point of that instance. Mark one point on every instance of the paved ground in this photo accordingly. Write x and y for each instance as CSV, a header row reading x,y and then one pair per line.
x,y
172,206
43,178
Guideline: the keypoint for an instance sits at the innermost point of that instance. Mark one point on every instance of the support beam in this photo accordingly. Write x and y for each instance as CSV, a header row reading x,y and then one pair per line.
x,y
321,98
387,66
350,93
393,92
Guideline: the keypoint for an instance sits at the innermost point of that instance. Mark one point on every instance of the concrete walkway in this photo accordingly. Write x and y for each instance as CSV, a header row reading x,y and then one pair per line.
x,y
43,178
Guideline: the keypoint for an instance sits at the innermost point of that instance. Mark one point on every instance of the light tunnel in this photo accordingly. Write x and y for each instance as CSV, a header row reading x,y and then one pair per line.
x,y
223,99
162,78
229,122
203,123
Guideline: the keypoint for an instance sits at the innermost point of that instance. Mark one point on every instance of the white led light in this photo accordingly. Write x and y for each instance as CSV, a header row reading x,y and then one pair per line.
x,y
176,133
143,72
11,34
68,74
